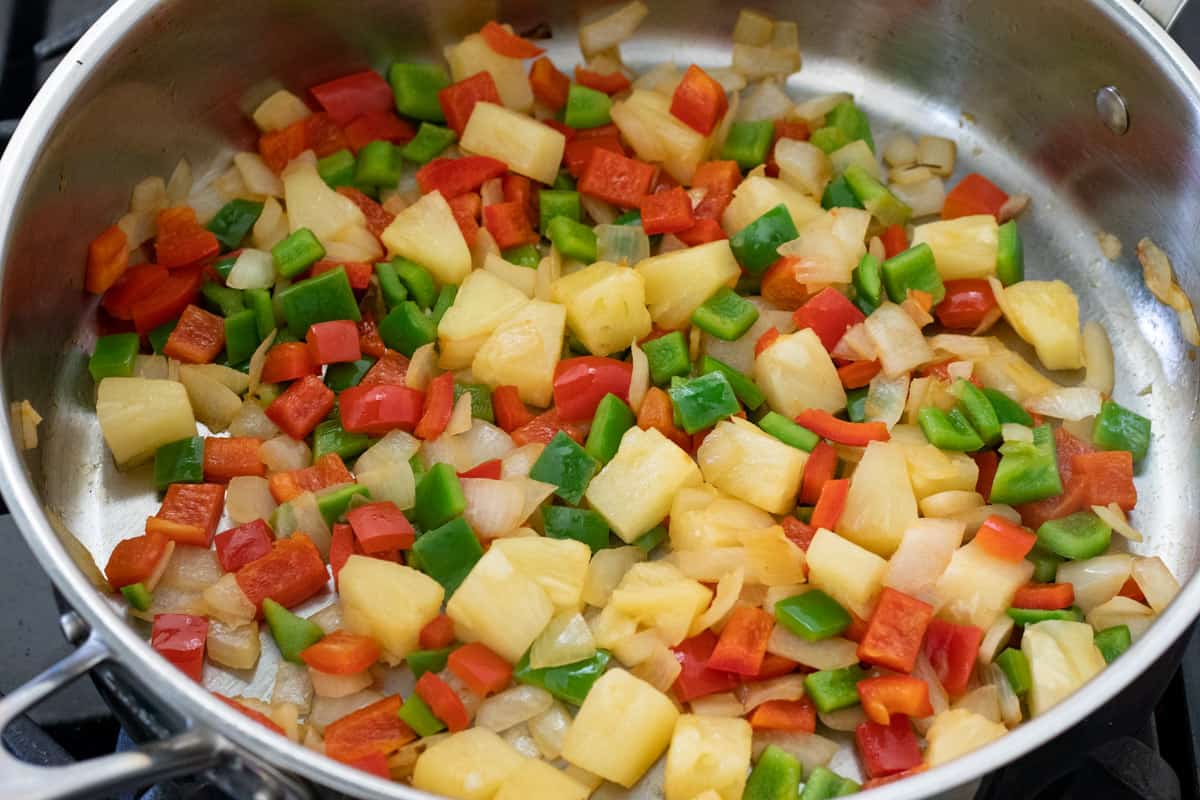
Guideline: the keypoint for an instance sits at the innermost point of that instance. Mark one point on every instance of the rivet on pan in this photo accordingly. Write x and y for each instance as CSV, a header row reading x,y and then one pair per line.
x,y
1111,108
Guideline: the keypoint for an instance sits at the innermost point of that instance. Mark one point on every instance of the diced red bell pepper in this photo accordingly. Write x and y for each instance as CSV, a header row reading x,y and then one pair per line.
x,y
378,126
607,82
466,209
379,409
974,194
743,641
374,730
380,526
895,240
341,547
952,650
368,338
322,135
668,211
198,338
182,241
455,176
830,504
581,383
615,178
872,783
894,631
567,131
279,147
702,232
353,95
290,574
458,100
887,749
190,513
781,286
358,273
720,178
288,361
1107,477
968,301
519,189
479,668
374,764
818,470
829,314
894,694
302,405
798,533
699,101
550,86
785,715
246,711
378,218
577,152
1075,495
858,374
791,129
544,426
1004,539
443,701
238,546
136,560
509,409
341,653
1131,590
855,434
328,471
107,258
437,633
231,457
180,639
390,370
135,284
333,342
168,300
695,678
508,223
987,461
490,470
1047,596
508,44
774,666
768,338
857,629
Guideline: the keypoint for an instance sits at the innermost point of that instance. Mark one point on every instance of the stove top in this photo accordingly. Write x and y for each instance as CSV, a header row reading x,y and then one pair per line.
x,y
1135,755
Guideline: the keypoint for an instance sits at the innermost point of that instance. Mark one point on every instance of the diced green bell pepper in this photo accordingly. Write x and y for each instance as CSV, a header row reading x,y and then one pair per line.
x,y
390,287
876,197
439,497
222,299
234,221
324,298
748,143
420,717
1112,642
1027,471
856,404
912,269
158,337
1076,536
1029,616
481,399
429,142
974,405
667,357
948,430
448,553
580,524
828,139
558,203
347,374
297,252
837,194
566,465
1045,564
259,301
114,356
812,615
726,315
776,776
416,87
179,462
850,120
525,255
573,239
834,688
330,437
755,245
337,169
651,539
422,661
406,328
241,335
570,682
744,387
1007,409
613,417
868,284
335,502
224,266
788,432
586,108
379,164
1010,256
292,634
1118,428
825,784
445,299
1015,666
417,280
139,597
701,402
563,180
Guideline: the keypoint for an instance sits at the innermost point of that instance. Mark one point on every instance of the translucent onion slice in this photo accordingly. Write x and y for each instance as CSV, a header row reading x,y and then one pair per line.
x,y
566,639
1096,580
1156,582
329,709
844,720
396,447
832,653
810,750
283,454
785,687
494,508
249,498
611,30
997,636
252,421
639,383
1098,358
460,417
729,588
549,728
512,707
1067,403
1115,518
191,569
258,360
1121,610
292,686
518,463
421,367
722,704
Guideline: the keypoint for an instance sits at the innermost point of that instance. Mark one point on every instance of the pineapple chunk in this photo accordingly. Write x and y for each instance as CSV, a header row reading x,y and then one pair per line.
x,y
138,415
559,566
965,247
757,195
657,595
523,351
796,373
708,753
280,110
622,728
1062,657
312,204
606,306
880,503
427,233
704,519
474,55
741,459
956,732
1045,314
388,602
527,146
500,606
471,765
1008,372
846,572
534,779
931,470
772,559
677,283
515,275
605,571
977,587
483,302
657,135
634,491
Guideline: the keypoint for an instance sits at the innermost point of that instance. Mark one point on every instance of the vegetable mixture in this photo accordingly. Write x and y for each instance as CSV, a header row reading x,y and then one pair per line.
x,y
631,415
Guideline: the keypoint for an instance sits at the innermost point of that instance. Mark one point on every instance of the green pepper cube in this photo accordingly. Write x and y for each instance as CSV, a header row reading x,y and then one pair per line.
x,y
788,432
448,553
420,717
586,108
330,437
856,404
179,462
850,120
835,688
415,88
1112,642
439,497
259,301
481,399
726,315
558,203
651,539
948,430
428,143
1015,666
563,180
868,283
417,280
337,169
390,287
748,143
838,194
158,337
1027,471
445,299
137,596
422,661
1010,255
774,777
406,327
566,465
613,417
744,387
974,405
347,374
667,357
324,298
825,784
224,266
1118,428
755,245
379,164
573,239
812,615
1007,409
701,402
234,221
114,356
297,252
876,197
525,255
1076,536
335,502
1029,616
241,336
222,299
829,139
570,682
292,634
913,268
1045,564
580,524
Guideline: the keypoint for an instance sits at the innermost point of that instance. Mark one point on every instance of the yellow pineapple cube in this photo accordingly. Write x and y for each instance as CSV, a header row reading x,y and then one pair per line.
x,y
559,566
741,459
956,732
470,765
527,146
772,559
606,306
622,728
657,595
138,415
704,519
1046,314
427,233
796,373
1062,657
880,503
977,587
523,351
483,302
645,120
964,247
388,602
850,574
534,779
473,55
708,753
757,195
677,283
500,606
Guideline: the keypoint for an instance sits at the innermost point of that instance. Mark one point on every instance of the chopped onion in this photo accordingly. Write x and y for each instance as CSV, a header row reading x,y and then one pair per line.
x,y
785,687
191,569
813,111
662,78
639,382
900,151
1097,358
311,521
258,361
633,650
494,508
549,728
272,225
924,197
974,517
215,404
729,589
484,442
257,176
821,256
536,493
997,636
491,192
484,246
844,720
856,344
226,601
330,709
754,62
248,498
1156,582
138,226
253,269
660,670
1016,432
1096,580
519,739
421,367
803,165
149,195
937,153
1160,280
949,503
886,398
512,707
938,698
329,618
1115,518
916,311
292,686
394,483
334,686
1068,403
253,422
622,244
753,28
1012,208
907,175
179,185
970,348
1122,611
396,447
926,547
832,653
156,574
983,700
730,80
605,571
765,100
600,212
810,749
460,417
857,153
236,647
284,454
518,463
172,601
611,30
722,704
898,340
1010,704
773,594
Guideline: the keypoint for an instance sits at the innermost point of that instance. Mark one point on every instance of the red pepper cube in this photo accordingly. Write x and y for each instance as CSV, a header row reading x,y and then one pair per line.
x,y
458,100
509,409
238,546
967,303
1004,539
829,314
439,406
437,633
669,211
455,176
550,86
380,526
577,152
378,218
322,135
288,361
136,560
1107,477
489,470
895,240
190,513
743,641
443,701
198,338
607,82
581,383
341,547
785,715
108,257
279,147
257,716
353,95
894,694
519,189
180,639
615,178
479,668
379,409
290,574
341,653
798,533
544,426
703,232
304,404
226,458
135,284
466,209
358,274
508,223
390,370
182,241
894,631
952,650
503,41
887,749
1045,596
367,732
378,126
333,342
329,470
819,469
830,504
696,678
974,194
699,101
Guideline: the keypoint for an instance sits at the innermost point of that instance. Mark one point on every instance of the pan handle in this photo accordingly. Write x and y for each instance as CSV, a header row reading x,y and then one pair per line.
x,y
1165,12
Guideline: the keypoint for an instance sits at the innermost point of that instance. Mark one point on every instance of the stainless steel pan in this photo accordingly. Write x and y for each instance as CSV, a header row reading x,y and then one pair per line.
x,y
1087,105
